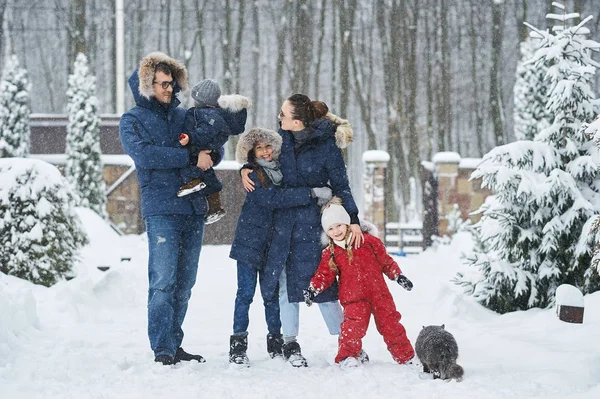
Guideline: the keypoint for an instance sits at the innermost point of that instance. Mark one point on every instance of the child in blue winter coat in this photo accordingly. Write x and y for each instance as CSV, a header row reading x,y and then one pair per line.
x,y
208,125
259,149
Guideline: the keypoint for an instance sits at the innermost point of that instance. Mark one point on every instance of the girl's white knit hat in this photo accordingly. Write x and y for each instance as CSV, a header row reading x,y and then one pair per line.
x,y
334,214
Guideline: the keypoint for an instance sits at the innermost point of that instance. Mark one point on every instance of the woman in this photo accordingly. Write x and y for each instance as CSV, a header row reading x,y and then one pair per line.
x,y
310,157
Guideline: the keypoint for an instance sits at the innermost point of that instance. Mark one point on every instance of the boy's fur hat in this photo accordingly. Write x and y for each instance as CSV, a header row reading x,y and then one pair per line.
x,y
257,135
146,72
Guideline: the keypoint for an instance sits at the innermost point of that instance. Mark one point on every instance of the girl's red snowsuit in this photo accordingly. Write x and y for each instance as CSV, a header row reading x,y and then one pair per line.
x,y
362,291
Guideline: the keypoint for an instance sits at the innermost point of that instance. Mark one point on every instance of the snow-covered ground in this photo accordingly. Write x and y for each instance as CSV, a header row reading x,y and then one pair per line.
x,y
86,338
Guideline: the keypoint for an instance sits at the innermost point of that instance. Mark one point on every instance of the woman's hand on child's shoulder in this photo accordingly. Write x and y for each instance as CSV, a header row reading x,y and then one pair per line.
x,y
358,238
246,180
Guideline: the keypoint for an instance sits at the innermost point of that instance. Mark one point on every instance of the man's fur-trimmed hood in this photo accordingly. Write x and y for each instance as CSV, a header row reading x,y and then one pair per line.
x,y
254,135
343,133
146,73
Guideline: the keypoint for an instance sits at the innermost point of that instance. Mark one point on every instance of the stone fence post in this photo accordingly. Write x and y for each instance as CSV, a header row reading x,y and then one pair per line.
x,y
374,188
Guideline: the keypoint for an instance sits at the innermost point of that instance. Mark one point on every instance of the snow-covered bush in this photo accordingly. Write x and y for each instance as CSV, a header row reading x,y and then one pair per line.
x,y
537,230
40,233
84,166
15,109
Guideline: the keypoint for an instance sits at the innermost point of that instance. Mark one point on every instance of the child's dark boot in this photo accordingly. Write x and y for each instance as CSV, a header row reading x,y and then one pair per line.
x,y
275,345
238,345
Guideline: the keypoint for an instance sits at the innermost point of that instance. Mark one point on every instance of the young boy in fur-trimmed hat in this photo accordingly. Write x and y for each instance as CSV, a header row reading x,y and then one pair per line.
x,y
259,150
362,289
210,123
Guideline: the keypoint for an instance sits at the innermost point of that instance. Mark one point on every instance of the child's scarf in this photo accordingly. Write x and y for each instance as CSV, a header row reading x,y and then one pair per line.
x,y
272,170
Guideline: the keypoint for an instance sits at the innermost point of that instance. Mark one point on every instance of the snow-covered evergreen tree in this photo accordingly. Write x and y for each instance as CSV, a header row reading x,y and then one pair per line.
x,y
40,232
529,112
538,229
15,109
84,166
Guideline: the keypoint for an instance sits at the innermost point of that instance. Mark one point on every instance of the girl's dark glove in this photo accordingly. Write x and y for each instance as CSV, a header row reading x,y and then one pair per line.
x,y
404,282
309,295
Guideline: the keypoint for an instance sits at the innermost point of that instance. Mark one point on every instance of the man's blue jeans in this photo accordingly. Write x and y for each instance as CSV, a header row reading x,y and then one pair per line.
x,y
174,243
246,282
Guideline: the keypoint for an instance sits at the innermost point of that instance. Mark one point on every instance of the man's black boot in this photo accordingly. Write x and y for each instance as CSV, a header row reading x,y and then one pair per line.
x,y
166,360
183,356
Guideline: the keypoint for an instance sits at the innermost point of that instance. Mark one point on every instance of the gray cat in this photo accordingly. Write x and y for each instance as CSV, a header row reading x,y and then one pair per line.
x,y
437,350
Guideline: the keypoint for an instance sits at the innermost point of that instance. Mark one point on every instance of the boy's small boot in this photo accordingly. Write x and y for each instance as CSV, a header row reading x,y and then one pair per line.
x,y
275,345
238,345
190,187
292,353
215,210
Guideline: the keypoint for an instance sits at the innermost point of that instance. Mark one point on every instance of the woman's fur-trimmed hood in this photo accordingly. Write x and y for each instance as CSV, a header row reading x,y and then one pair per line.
x,y
256,135
146,73
343,133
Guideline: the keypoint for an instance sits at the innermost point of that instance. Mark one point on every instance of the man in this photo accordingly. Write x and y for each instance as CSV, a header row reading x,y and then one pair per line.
x,y
174,225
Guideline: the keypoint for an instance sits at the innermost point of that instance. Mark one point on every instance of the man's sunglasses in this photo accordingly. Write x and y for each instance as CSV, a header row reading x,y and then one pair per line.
x,y
165,85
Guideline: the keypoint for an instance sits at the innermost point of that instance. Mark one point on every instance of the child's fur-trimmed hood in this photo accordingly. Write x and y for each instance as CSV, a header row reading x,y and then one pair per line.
x,y
148,66
255,135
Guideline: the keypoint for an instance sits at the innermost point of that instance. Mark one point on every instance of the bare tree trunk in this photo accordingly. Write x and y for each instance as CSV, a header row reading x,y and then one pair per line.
x,y
389,24
333,68
496,112
92,38
522,17
200,35
167,8
362,74
256,61
301,47
475,104
414,158
321,33
444,104
112,97
238,46
3,4
346,21
429,54
77,30
141,22
282,33
226,47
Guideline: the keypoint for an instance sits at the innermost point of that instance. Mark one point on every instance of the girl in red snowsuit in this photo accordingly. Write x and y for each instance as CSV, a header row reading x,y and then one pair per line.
x,y
362,289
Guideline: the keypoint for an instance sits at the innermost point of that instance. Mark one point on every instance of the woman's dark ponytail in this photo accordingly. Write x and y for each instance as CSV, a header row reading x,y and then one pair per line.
x,y
305,110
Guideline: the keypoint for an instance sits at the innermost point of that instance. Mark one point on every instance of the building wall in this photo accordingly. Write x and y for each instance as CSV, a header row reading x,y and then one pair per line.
x,y
455,187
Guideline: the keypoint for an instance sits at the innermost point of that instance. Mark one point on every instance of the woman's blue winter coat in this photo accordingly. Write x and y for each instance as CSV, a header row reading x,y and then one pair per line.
x,y
296,240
